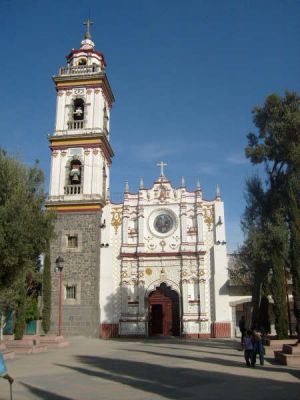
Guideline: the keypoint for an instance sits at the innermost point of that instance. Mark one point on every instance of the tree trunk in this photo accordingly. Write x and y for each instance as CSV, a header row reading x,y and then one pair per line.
x,y
279,296
46,313
20,323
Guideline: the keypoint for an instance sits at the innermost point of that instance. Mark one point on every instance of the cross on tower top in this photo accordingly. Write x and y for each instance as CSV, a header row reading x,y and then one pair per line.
x,y
88,24
161,165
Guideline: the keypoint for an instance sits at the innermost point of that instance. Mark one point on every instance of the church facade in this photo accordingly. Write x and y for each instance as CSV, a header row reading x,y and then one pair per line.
x,y
155,264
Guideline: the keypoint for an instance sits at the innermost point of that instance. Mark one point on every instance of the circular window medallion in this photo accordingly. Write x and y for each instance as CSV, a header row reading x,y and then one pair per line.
x,y
162,222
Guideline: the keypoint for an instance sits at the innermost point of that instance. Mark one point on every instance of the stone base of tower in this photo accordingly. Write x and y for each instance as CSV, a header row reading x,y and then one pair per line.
x,y
77,321
77,241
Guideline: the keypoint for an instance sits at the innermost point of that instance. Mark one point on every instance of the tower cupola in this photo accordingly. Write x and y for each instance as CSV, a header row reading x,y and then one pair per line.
x,y
86,56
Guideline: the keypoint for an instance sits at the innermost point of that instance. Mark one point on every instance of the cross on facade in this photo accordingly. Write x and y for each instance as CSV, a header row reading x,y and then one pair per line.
x,y
88,24
161,165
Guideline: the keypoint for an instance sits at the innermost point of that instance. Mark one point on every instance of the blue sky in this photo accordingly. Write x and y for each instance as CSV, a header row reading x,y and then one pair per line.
x,y
185,74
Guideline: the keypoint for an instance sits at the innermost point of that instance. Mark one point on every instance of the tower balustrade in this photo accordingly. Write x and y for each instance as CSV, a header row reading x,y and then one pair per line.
x,y
72,190
79,70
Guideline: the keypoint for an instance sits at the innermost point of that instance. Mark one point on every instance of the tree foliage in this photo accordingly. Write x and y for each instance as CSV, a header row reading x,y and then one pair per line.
x,y
46,313
272,214
25,228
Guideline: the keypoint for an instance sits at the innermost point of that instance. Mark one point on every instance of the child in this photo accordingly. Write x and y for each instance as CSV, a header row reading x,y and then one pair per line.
x,y
3,370
248,348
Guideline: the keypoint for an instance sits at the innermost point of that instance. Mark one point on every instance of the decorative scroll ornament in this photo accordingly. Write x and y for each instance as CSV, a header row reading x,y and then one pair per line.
x,y
151,246
116,220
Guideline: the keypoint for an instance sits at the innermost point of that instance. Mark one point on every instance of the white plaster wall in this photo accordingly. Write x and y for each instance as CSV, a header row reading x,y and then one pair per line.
x,y
55,173
106,270
88,171
219,221
98,106
60,110
222,299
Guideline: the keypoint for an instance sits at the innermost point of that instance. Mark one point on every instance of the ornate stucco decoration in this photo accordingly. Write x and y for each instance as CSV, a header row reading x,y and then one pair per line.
x,y
148,238
163,245
116,220
162,194
208,218
148,271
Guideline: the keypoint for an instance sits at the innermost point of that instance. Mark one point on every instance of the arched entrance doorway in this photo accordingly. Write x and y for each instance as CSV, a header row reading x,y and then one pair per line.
x,y
163,312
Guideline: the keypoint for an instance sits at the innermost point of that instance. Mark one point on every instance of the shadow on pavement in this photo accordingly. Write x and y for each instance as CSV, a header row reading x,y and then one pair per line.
x,y
212,343
183,383
195,351
224,362
43,394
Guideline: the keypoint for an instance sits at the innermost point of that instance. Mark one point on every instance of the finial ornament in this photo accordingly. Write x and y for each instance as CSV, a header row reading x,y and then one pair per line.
x,y
126,187
162,165
107,194
183,182
141,183
198,184
218,192
88,24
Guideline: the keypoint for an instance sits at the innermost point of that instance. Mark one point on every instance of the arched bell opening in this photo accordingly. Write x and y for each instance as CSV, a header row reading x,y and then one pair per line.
x,y
82,61
75,172
163,312
78,110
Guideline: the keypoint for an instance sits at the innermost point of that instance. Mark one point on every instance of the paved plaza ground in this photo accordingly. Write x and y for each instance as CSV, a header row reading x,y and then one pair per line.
x,y
94,369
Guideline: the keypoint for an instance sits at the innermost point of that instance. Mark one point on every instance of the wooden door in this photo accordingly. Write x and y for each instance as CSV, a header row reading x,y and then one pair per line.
x,y
163,312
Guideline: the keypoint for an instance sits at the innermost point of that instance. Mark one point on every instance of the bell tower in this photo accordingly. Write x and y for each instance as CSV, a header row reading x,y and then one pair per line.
x,y
81,153
80,161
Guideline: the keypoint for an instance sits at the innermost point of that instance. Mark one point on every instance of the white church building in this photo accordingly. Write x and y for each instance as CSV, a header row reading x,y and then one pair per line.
x,y
155,264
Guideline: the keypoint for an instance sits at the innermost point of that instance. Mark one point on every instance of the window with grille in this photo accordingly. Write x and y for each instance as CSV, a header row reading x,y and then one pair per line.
x,y
72,241
71,292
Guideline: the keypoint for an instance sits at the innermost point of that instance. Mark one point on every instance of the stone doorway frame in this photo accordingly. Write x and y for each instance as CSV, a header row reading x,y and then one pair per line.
x,y
167,302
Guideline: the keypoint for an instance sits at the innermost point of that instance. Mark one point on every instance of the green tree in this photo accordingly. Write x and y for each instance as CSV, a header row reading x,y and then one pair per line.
x,y
25,228
294,221
46,313
20,316
277,147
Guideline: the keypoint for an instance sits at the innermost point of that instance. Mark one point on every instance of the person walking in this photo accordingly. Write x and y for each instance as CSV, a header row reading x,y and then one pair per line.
x,y
242,326
4,374
248,348
258,346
